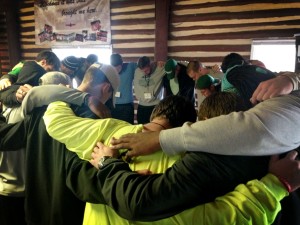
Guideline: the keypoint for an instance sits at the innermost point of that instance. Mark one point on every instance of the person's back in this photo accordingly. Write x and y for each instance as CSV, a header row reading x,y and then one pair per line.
x,y
223,103
53,191
175,109
263,129
100,214
30,73
12,163
10,78
207,175
241,77
46,193
48,199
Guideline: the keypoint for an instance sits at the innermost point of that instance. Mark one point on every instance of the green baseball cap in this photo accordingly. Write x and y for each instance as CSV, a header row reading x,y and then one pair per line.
x,y
206,81
170,68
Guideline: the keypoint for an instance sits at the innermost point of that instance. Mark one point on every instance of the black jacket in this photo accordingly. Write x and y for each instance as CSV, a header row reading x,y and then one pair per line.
x,y
198,178
186,84
246,78
29,74
48,199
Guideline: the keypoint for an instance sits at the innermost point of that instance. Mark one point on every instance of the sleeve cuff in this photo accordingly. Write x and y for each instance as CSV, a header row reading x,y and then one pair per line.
x,y
295,78
169,144
274,184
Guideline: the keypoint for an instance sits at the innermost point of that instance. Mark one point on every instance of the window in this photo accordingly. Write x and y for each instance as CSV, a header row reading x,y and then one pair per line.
x,y
103,52
277,55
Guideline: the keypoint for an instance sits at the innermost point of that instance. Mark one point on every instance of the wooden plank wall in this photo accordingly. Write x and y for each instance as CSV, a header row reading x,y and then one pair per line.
x,y
133,28
199,29
4,56
132,25
208,30
29,49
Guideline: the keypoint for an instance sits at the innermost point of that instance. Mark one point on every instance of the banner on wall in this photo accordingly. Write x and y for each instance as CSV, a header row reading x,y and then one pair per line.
x,y
78,22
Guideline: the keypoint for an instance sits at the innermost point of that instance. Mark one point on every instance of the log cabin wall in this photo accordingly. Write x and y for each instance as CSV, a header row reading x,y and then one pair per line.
x,y
204,30
27,35
4,56
9,35
209,30
133,28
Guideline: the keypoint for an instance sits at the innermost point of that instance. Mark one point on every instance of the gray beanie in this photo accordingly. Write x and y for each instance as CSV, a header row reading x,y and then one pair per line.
x,y
72,63
55,77
112,75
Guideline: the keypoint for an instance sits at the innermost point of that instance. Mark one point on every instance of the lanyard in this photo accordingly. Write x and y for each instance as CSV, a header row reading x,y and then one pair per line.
x,y
147,80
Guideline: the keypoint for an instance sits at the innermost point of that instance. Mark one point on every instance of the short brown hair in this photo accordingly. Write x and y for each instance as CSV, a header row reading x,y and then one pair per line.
x,y
194,65
220,103
177,109
143,62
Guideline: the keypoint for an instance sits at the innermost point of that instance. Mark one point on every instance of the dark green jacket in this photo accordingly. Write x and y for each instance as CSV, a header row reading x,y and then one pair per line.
x,y
198,178
48,200
29,74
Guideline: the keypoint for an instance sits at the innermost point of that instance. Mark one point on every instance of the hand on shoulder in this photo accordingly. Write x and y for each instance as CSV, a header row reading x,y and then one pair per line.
x,y
280,85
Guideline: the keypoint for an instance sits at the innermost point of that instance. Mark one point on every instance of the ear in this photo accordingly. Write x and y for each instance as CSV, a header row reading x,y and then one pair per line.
x,y
43,62
119,68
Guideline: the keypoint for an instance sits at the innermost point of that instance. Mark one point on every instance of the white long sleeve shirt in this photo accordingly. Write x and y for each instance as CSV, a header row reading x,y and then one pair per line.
x,y
271,127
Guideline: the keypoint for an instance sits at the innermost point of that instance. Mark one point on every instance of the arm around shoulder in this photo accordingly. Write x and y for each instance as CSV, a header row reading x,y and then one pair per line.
x,y
257,201
294,77
44,95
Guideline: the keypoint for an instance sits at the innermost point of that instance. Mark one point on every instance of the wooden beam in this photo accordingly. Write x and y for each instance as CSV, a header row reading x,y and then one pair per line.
x,y
162,9
11,8
13,35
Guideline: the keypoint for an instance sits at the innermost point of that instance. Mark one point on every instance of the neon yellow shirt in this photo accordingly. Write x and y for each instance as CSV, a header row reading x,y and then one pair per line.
x,y
254,203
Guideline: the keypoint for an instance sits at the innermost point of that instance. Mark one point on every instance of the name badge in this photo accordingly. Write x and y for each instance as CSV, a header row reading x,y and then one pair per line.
x,y
147,95
118,94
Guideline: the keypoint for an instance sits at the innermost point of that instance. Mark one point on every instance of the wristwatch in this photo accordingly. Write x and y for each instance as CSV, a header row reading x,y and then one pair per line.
x,y
102,160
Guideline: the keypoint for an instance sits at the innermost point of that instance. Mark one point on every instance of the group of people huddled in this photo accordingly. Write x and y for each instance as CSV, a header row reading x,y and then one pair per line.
x,y
71,152
152,81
